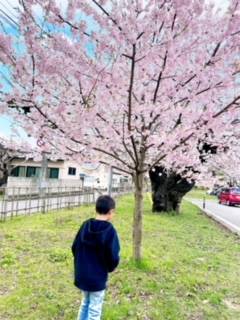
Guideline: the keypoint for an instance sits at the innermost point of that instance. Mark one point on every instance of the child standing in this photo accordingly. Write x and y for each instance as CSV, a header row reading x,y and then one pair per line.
x,y
96,253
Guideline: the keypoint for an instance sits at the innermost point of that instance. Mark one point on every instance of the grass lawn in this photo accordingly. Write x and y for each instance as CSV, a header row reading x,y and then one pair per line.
x,y
190,270
200,194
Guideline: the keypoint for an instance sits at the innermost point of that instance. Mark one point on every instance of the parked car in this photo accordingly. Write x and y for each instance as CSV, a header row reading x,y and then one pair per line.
x,y
215,191
218,191
230,196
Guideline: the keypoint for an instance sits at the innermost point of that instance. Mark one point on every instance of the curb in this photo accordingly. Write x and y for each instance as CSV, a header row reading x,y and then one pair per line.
x,y
222,221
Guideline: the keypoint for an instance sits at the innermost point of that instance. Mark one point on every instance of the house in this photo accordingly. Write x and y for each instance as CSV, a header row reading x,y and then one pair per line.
x,y
61,172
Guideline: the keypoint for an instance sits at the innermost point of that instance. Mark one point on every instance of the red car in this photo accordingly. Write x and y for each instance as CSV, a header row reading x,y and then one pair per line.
x,y
230,196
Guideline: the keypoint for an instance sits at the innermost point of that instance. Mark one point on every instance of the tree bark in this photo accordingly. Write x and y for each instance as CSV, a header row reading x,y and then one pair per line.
x,y
3,177
138,216
168,189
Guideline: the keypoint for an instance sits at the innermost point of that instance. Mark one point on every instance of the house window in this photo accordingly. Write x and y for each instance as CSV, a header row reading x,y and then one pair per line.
x,y
18,171
114,182
123,179
33,172
72,171
53,173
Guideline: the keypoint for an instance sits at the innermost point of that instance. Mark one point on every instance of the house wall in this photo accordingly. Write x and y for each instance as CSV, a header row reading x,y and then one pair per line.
x,y
31,163
94,175
33,183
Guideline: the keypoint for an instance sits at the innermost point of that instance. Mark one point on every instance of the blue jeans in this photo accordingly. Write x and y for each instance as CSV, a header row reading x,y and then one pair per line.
x,y
91,307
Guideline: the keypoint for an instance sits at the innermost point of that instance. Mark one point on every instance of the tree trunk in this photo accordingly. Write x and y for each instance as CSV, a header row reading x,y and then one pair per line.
x,y
168,189
3,177
166,200
138,216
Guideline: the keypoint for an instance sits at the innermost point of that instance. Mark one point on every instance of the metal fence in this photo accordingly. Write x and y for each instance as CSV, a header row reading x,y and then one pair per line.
x,y
25,201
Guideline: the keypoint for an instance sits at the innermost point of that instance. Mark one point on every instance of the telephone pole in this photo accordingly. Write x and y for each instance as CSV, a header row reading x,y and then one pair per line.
x,y
43,181
110,180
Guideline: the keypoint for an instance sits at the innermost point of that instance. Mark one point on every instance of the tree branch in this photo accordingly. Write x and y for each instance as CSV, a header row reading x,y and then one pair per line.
x,y
73,26
124,143
114,156
114,167
131,87
33,71
182,141
213,54
135,150
227,107
173,22
107,14
160,77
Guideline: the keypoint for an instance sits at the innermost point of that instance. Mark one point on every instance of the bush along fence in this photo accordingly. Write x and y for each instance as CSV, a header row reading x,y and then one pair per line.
x,y
25,201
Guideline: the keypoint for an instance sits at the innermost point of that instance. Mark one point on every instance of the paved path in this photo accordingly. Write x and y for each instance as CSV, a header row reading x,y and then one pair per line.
x,y
18,207
26,206
226,215
10,208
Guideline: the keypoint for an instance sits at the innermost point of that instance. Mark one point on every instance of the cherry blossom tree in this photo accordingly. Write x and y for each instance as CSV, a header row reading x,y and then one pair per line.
x,y
132,84
5,159
225,168
169,187
9,150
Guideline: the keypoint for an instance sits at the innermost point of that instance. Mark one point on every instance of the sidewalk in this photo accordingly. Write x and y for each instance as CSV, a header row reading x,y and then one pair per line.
x,y
229,217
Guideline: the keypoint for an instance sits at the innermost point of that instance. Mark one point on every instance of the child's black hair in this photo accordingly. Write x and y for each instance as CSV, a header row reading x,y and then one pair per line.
x,y
104,204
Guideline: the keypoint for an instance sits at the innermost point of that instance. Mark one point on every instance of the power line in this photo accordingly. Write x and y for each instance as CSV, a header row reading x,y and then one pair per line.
x,y
6,16
4,21
8,10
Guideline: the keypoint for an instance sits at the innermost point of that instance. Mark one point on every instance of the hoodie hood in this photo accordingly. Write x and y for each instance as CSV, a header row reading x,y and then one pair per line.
x,y
95,232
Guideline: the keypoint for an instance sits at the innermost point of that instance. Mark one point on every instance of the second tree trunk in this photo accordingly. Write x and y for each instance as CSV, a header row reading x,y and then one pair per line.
x,y
168,189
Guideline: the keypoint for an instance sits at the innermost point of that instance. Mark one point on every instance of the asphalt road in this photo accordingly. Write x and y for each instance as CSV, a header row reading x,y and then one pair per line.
x,y
228,216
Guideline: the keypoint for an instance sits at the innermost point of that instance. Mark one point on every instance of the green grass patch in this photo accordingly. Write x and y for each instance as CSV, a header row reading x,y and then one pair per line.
x,y
200,194
190,269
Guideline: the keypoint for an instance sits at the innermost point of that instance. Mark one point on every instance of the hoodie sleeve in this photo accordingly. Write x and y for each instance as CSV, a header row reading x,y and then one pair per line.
x,y
113,250
74,245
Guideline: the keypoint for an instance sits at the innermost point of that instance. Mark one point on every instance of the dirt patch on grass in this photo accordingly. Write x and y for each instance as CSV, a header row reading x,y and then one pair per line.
x,y
5,291
232,304
197,316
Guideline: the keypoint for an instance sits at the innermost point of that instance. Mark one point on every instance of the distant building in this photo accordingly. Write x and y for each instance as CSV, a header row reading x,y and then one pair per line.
x,y
25,172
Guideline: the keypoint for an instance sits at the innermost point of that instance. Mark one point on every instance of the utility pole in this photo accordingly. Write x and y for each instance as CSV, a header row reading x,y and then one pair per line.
x,y
42,181
110,180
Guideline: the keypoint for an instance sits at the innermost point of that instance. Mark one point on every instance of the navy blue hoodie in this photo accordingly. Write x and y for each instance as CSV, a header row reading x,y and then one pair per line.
x,y
96,253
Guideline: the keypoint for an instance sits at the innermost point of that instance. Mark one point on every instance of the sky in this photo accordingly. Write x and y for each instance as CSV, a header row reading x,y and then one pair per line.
x,y
5,125
8,7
